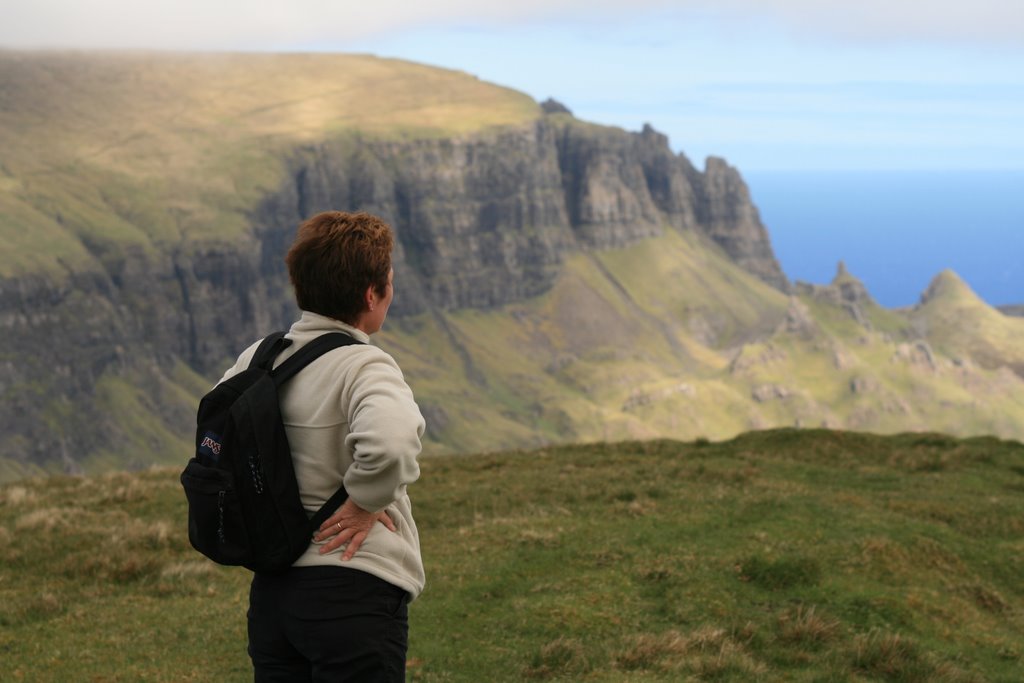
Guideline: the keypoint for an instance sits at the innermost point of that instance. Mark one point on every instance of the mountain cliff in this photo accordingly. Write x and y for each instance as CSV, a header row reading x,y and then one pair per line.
x,y
146,202
486,220
146,222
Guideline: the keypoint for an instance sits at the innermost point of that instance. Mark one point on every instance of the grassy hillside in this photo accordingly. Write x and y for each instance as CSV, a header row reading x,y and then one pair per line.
x,y
965,326
114,155
669,338
144,406
782,555
141,150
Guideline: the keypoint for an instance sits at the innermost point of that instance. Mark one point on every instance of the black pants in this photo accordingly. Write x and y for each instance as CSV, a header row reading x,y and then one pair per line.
x,y
327,624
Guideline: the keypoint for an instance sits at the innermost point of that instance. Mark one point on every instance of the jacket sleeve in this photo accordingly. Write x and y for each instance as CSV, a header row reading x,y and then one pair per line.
x,y
385,427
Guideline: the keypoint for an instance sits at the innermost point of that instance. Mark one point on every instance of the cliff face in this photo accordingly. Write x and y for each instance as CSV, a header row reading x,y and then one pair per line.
x,y
728,216
481,221
92,363
478,221
486,221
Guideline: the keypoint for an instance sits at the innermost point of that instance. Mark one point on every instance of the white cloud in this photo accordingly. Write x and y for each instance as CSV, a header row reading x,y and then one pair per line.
x,y
253,24
280,24
978,21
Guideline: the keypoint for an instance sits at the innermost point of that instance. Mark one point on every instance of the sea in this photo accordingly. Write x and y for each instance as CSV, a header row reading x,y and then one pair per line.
x,y
896,230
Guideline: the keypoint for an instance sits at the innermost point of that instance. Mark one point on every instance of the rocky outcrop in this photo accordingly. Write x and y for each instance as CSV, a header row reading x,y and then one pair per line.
x,y
553,106
845,291
606,193
769,392
725,212
918,354
798,320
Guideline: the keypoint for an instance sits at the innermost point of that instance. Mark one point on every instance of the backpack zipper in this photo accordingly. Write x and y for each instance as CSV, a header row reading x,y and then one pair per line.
x,y
220,515
256,471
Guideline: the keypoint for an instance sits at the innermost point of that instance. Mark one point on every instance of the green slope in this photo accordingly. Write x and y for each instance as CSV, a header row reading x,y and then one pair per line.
x,y
964,326
797,555
144,404
668,338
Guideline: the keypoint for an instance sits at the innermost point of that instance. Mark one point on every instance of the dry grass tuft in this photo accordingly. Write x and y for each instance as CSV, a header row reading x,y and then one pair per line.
x,y
932,554
132,491
189,569
187,578
561,657
886,557
46,519
888,655
17,495
805,628
707,638
112,566
649,650
47,604
661,572
30,609
986,597
545,538
893,657
641,507
142,534
708,652
731,661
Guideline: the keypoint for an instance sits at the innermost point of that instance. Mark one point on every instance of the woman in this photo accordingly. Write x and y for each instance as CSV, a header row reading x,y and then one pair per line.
x,y
339,614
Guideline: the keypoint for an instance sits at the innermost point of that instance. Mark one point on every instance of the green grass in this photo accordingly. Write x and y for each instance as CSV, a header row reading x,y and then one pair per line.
x,y
781,555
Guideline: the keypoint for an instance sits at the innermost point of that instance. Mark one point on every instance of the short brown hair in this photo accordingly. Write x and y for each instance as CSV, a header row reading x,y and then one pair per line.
x,y
336,256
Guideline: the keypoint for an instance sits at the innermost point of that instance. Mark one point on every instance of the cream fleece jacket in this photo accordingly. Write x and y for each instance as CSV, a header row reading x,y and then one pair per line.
x,y
350,417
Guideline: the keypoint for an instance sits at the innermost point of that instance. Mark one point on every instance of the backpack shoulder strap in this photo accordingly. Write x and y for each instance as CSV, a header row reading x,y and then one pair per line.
x,y
308,353
268,350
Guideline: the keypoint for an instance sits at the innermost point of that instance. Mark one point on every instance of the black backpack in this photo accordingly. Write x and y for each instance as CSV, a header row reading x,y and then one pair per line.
x,y
243,499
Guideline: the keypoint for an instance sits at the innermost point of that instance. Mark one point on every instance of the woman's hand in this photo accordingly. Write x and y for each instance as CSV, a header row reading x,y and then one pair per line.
x,y
350,524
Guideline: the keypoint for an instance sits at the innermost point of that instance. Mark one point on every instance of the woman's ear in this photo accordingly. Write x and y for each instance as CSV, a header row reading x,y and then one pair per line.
x,y
370,298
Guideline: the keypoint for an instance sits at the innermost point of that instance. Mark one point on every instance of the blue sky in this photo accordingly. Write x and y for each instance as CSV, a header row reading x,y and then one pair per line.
x,y
768,84
755,94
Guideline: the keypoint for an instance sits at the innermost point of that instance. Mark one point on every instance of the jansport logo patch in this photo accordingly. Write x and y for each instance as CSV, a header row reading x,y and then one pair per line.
x,y
210,445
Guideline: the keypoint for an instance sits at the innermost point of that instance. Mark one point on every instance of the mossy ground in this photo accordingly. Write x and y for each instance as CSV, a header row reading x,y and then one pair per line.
x,y
782,555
